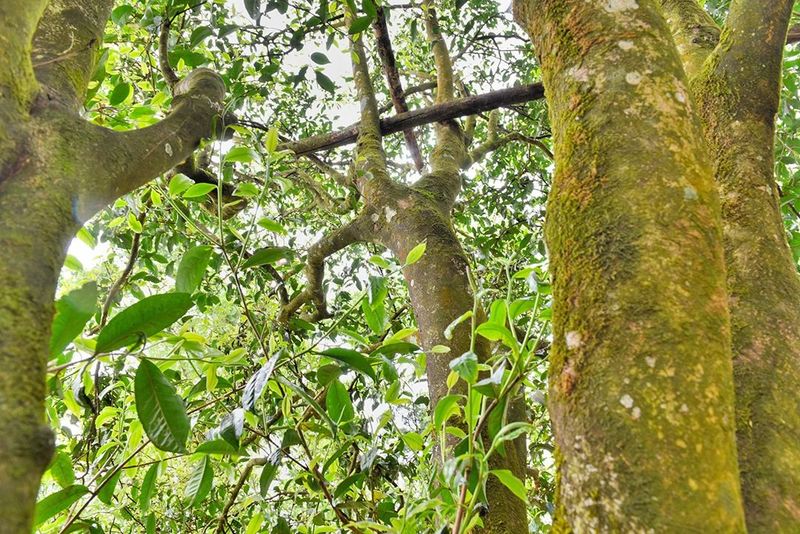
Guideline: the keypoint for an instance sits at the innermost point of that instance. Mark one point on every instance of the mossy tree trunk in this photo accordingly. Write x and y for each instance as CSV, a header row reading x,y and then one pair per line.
x,y
736,81
400,217
53,177
641,382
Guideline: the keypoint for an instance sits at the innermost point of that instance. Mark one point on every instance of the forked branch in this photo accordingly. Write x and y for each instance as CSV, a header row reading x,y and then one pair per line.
x,y
314,292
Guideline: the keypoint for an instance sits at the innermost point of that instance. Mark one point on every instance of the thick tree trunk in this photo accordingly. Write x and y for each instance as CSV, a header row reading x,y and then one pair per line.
x,y
440,292
738,93
641,390
33,231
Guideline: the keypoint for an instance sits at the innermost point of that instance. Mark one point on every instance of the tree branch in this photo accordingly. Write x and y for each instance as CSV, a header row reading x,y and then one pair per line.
x,y
749,55
17,79
695,32
65,47
136,157
353,232
163,54
393,81
439,112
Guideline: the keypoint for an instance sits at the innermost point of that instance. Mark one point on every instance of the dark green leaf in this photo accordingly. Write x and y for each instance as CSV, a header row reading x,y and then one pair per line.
x,y
267,255
192,269
466,366
325,82
200,482
148,487
119,94
146,318
359,25
160,409
354,359
338,402
320,58
268,473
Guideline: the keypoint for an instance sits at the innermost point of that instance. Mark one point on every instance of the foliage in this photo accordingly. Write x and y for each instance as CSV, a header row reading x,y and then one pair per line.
x,y
192,408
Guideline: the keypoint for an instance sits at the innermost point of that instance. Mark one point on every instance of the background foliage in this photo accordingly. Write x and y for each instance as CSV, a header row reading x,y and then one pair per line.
x,y
180,402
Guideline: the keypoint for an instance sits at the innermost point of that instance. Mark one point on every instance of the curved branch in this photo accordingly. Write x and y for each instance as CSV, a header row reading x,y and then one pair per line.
x,y
136,157
163,55
353,232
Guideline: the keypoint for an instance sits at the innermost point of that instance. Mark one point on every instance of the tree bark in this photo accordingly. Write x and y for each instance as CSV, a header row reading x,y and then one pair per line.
x,y
641,390
56,171
738,94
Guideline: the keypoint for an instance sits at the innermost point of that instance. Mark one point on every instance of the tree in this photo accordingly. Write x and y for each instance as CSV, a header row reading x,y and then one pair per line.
x,y
53,160
261,327
627,204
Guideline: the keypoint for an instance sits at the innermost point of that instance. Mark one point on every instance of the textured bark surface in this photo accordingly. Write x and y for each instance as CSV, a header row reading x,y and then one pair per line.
x,y
641,392
738,93
53,177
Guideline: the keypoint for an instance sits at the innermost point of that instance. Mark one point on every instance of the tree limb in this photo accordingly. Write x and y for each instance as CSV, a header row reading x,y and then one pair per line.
x,y
351,233
386,54
138,156
17,79
438,112
695,32
752,66
163,54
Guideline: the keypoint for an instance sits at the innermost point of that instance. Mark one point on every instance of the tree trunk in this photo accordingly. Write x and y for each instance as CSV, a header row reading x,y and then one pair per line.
x,y
641,390
34,229
738,92
440,292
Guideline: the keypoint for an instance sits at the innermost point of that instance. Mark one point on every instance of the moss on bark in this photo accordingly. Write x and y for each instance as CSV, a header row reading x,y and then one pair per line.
x,y
641,389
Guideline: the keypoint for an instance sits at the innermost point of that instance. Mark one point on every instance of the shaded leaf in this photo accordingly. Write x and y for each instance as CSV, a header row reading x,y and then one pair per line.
x,y
160,409
354,359
73,310
192,268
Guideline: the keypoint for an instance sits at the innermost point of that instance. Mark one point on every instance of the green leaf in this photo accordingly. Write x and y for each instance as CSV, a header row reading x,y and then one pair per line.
x,y
198,190
345,484
267,255
466,366
119,94
160,409
199,34
414,441
179,183
192,269
57,502
241,154
448,331
359,25
496,332
445,408
146,318
338,402
148,487
374,315
272,226
310,401
106,493
73,310
200,482
255,523
216,446
134,224
268,473
325,82
513,483
61,469
319,58
354,359
271,142
121,14
415,254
